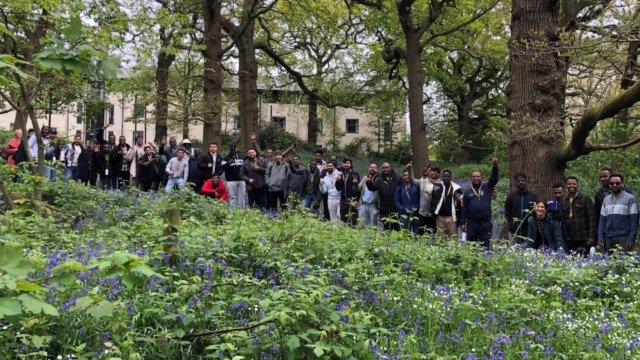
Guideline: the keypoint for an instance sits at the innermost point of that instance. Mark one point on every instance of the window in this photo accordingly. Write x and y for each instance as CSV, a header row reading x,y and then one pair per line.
x,y
236,123
79,110
352,126
112,113
387,132
10,126
110,133
279,121
79,133
139,110
137,134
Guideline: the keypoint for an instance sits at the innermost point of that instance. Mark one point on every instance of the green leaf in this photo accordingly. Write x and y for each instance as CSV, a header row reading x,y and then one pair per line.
x,y
120,258
9,307
318,351
13,263
36,305
83,303
101,309
293,342
28,287
4,30
131,280
74,30
144,269
110,66
71,265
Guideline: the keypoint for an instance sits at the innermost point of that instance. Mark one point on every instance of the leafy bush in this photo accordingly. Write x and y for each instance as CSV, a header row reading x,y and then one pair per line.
x,y
128,283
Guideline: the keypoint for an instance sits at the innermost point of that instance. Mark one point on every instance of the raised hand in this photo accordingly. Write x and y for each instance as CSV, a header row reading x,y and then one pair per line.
x,y
494,159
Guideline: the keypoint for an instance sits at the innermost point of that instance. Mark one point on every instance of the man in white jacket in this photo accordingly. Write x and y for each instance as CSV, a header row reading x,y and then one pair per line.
x,y
328,186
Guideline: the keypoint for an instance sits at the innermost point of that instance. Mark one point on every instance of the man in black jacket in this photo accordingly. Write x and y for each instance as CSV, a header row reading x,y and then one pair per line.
x,y
347,184
518,208
210,163
580,219
105,167
235,185
252,173
386,185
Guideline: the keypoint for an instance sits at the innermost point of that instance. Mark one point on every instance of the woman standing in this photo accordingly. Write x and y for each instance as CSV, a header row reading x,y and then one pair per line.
x,y
12,147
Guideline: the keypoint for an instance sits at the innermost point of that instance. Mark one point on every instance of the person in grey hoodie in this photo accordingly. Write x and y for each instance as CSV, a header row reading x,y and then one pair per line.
x,y
177,171
277,178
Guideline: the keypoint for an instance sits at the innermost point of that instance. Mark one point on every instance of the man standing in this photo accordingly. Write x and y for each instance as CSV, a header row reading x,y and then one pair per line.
x,y
386,185
69,156
328,187
298,174
555,207
618,218
476,206
122,164
518,208
134,154
235,186
311,188
445,205
277,178
603,191
211,163
168,151
368,213
177,170
252,173
407,199
580,219
347,184
430,177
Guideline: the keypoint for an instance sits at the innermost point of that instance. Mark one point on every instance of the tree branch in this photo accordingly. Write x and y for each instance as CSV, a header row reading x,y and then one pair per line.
x,y
455,28
591,148
590,118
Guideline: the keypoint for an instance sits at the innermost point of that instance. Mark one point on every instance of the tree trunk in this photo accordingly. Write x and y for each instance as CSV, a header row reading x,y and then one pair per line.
x,y
535,95
312,126
464,130
417,124
212,82
248,79
162,87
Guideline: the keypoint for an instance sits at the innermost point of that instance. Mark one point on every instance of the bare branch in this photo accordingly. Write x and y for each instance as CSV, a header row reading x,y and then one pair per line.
x,y
230,329
591,148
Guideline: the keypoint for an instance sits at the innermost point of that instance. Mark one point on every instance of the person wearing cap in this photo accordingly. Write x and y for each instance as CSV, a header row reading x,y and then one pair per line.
x,y
188,147
518,207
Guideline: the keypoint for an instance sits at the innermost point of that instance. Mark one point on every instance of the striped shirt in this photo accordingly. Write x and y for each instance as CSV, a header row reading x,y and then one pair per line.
x,y
618,217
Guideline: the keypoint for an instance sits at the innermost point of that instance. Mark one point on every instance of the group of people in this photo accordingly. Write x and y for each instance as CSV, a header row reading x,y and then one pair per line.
x,y
571,221
430,202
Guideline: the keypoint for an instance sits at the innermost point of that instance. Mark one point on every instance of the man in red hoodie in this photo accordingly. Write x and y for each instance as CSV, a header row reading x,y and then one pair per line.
x,y
215,188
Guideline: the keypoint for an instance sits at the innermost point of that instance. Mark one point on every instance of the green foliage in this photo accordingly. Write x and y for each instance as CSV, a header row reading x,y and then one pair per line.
x,y
238,284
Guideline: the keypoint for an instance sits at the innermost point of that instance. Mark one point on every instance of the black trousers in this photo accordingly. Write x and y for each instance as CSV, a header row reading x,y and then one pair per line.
x,y
272,200
480,231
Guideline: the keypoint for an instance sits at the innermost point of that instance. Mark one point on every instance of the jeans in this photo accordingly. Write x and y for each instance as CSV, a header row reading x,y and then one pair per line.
x,y
308,201
410,222
173,182
368,215
70,173
50,173
236,190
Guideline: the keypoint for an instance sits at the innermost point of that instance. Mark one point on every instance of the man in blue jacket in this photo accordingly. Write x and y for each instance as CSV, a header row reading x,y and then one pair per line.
x,y
408,202
618,217
476,206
